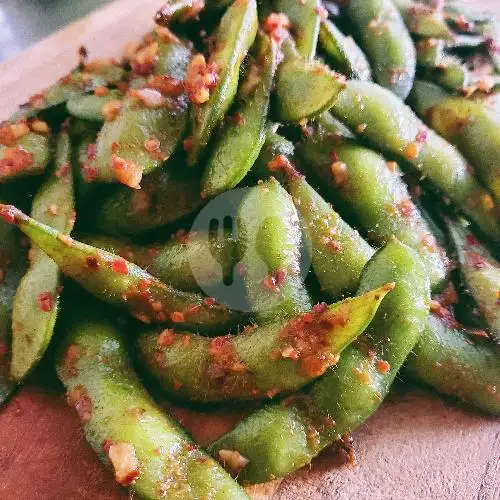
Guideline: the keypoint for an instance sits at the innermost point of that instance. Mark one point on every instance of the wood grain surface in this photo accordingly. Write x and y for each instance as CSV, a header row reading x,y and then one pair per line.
x,y
417,446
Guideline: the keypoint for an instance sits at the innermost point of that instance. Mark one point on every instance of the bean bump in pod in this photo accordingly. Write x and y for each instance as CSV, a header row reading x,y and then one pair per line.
x,y
24,148
269,241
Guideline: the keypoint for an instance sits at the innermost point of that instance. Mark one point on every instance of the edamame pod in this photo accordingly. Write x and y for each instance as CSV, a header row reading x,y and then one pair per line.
x,y
24,149
12,268
143,131
118,282
343,52
305,17
264,361
430,52
165,197
147,450
188,262
473,127
91,76
36,302
90,106
456,364
391,126
242,138
304,88
481,273
269,241
372,191
423,19
384,38
233,37
281,438
338,252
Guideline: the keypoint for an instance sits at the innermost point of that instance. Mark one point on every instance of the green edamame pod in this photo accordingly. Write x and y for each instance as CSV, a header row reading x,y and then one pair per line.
x,y
450,73
12,268
147,450
146,127
269,240
430,52
391,126
473,127
281,438
304,88
116,281
239,145
372,191
424,20
305,18
384,38
449,361
90,106
338,252
36,302
481,272
343,52
188,262
178,11
233,37
78,82
279,358
164,197
274,146
23,152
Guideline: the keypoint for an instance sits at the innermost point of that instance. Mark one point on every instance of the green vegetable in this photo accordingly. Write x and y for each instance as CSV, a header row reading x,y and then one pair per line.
x,y
188,262
269,239
12,268
148,126
423,19
116,281
36,302
343,52
90,106
28,155
233,37
383,36
305,18
473,127
457,364
480,271
283,437
264,361
239,145
372,191
430,52
148,451
391,126
164,197
338,252
304,88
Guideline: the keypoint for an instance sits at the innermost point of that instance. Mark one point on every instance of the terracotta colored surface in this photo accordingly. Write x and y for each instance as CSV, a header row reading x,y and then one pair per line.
x,y
417,446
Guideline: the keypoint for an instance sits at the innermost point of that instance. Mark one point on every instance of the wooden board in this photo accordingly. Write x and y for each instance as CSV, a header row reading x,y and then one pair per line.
x,y
417,446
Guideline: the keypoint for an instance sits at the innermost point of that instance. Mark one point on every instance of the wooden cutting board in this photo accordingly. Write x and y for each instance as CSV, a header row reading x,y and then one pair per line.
x,y
417,446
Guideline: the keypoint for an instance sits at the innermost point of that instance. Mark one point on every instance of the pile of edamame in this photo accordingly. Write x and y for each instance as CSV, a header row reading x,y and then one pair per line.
x,y
284,203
